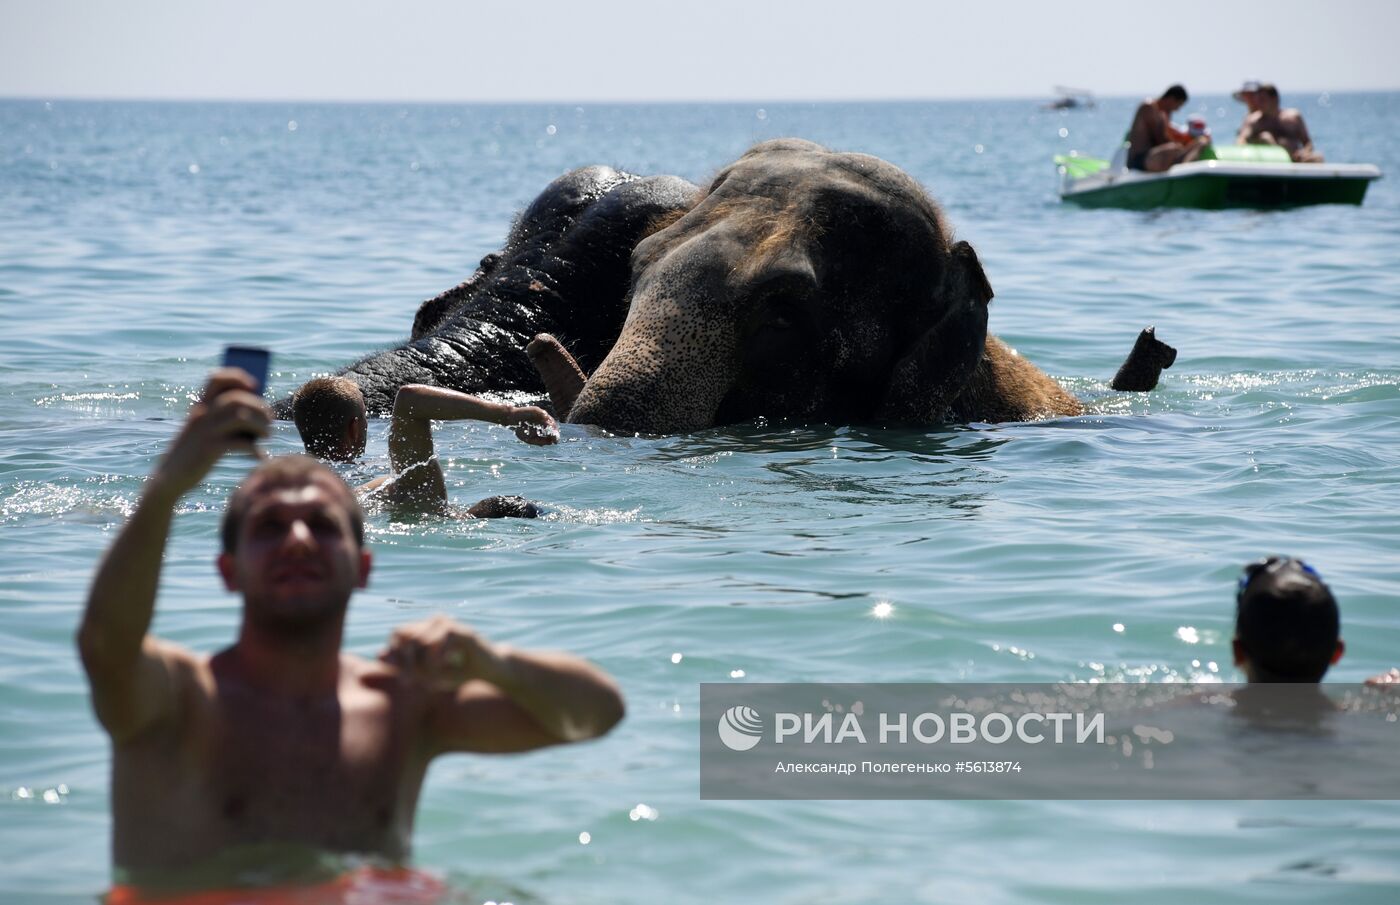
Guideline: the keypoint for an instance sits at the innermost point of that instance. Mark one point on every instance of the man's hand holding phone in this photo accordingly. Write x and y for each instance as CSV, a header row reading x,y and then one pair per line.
x,y
254,362
229,416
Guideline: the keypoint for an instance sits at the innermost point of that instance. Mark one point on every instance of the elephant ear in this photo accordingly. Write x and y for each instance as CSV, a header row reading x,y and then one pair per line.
x,y
435,310
944,355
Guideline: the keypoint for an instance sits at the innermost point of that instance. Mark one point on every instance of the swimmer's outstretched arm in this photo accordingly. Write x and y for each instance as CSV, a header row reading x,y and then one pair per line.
x,y
417,476
133,675
492,698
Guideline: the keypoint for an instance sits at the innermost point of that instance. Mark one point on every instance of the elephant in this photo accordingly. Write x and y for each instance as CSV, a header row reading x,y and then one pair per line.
x,y
812,285
564,268
801,283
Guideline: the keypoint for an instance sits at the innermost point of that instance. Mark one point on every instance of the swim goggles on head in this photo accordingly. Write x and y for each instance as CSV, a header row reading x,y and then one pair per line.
x,y
1252,571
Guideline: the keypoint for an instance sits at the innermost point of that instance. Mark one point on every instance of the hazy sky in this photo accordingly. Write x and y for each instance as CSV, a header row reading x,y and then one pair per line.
x,y
719,50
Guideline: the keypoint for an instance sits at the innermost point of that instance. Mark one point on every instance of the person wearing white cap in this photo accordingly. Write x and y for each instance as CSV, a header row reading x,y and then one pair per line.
x,y
1248,94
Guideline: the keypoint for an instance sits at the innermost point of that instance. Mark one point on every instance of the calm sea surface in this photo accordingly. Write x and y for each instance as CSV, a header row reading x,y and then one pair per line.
x,y
137,239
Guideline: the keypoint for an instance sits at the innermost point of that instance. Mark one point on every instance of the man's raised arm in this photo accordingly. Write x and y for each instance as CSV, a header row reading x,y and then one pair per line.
x,y
418,478
1246,134
131,673
492,698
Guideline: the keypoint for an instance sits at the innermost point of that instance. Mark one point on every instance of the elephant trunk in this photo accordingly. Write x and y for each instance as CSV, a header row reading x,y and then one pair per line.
x,y
661,377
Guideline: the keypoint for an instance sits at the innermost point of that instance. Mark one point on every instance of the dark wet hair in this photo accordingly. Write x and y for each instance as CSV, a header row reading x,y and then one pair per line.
x,y
322,409
1269,89
1176,92
1286,620
285,471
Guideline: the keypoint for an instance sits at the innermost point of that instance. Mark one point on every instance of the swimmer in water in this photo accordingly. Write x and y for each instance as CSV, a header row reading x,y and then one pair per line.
x,y
282,737
1287,627
331,417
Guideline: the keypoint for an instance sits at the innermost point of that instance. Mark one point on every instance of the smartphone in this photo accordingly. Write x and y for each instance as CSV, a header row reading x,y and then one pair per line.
x,y
251,359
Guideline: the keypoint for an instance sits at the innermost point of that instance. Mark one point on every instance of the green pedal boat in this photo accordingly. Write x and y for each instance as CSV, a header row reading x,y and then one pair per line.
x,y
1251,176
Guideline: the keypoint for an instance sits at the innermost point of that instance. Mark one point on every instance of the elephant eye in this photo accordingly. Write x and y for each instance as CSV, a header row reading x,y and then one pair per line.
x,y
783,302
780,312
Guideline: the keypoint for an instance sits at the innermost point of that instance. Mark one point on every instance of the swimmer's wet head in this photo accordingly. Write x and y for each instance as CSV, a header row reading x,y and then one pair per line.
x,y
331,417
1287,625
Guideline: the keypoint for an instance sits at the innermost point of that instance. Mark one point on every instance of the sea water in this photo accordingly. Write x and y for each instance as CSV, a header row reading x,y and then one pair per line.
x,y
136,239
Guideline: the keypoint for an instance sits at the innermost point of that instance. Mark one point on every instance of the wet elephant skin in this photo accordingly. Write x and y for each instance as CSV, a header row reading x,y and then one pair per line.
x,y
564,269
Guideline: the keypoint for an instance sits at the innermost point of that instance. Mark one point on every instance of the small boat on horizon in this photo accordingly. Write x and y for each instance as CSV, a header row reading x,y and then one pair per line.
x,y
1228,176
1071,99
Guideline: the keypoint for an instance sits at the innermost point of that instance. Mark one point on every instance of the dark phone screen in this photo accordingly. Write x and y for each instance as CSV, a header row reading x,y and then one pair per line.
x,y
251,359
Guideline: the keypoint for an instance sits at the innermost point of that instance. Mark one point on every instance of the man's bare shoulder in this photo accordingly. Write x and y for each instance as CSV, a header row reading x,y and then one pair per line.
x,y
362,671
174,655
184,679
363,680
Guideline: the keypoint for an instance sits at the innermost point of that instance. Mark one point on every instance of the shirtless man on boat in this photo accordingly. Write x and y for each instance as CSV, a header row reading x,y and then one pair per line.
x,y
1154,144
1268,125
283,739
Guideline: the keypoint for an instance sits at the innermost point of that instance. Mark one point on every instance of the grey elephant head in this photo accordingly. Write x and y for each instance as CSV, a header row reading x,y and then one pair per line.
x,y
803,283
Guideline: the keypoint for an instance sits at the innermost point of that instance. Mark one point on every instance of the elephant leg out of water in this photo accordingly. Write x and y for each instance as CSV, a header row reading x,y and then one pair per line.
x,y
1145,364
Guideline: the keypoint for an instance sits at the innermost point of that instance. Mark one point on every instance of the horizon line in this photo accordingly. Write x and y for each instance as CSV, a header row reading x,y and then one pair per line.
x,y
621,101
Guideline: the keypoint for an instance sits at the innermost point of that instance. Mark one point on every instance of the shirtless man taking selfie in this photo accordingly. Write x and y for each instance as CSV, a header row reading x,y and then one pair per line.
x,y
283,738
